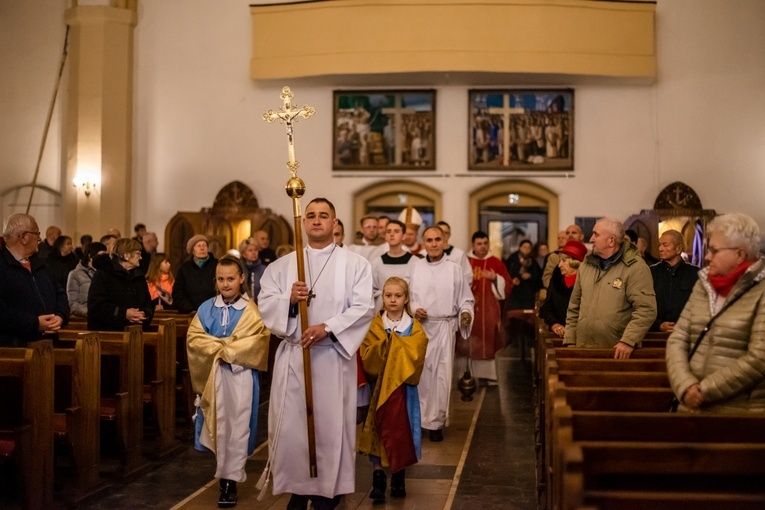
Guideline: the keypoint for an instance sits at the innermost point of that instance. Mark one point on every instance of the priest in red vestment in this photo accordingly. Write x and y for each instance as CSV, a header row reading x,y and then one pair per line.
x,y
491,285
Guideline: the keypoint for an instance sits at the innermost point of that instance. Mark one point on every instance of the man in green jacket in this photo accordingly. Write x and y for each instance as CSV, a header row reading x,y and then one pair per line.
x,y
613,304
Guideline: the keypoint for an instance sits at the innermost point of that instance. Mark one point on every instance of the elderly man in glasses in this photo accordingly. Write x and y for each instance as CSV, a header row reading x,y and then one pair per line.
x,y
32,305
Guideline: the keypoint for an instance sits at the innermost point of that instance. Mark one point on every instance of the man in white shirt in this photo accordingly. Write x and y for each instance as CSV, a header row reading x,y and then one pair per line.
x,y
395,262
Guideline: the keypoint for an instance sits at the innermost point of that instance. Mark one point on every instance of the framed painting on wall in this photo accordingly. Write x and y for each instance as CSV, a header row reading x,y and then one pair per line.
x,y
521,129
384,130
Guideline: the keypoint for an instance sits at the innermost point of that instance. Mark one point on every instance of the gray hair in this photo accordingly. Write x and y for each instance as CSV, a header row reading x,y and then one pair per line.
x,y
738,229
614,227
16,224
243,245
677,238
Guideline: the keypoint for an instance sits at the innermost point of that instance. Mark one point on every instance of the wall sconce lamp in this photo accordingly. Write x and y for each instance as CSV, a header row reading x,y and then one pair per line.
x,y
86,184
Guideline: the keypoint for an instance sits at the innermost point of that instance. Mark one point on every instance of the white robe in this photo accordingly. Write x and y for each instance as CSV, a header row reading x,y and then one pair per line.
x,y
382,271
368,251
458,257
441,289
344,302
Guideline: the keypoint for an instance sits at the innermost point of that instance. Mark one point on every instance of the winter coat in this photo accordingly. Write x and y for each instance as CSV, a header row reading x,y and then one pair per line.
x,y
194,285
554,309
24,296
613,304
60,267
729,364
114,290
77,287
673,287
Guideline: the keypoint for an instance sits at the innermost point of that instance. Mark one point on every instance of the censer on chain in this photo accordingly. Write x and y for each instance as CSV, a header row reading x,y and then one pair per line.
x,y
467,383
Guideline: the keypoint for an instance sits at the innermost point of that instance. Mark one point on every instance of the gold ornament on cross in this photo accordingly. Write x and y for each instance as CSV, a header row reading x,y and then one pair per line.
x,y
288,114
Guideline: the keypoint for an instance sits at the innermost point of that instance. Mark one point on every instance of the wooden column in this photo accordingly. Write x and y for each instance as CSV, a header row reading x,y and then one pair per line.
x,y
99,117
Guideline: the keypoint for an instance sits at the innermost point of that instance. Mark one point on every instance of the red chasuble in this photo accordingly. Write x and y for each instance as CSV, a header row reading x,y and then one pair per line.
x,y
486,336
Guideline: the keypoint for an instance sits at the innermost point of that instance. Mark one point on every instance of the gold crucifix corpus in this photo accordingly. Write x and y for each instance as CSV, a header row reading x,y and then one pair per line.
x,y
288,114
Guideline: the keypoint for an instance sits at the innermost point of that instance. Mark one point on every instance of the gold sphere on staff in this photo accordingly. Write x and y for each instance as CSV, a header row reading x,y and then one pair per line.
x,y
295,187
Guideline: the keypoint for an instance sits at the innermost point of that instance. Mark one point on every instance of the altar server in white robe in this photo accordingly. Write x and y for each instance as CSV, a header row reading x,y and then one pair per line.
x,y
455,254
340,311
394,262
443,303
227,346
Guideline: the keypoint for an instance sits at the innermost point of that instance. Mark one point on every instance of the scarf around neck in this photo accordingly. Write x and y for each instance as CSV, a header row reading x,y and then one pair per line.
x,y
724,284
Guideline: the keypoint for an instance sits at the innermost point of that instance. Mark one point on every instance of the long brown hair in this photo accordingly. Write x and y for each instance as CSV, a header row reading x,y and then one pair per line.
x,y
153,274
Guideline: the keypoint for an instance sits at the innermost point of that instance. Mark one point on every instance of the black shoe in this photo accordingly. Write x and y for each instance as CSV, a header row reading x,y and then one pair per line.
x,y
322,503
436,436
227,497
398,485
298,502
379,482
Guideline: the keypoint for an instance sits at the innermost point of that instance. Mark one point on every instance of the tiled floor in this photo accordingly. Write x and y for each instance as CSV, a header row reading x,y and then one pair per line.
x,y
494,471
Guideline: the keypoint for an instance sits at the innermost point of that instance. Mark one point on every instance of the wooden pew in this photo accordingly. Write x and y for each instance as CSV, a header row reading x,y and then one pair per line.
x,y
125,405
650,460
76,419
26,419
159,380
603,372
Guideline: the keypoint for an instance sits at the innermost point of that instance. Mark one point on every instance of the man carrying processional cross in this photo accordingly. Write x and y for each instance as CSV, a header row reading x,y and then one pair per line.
x,y
340,310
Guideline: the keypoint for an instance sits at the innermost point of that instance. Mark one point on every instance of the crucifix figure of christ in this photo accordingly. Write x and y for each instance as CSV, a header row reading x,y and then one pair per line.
x,y
398,111
506,111
288,114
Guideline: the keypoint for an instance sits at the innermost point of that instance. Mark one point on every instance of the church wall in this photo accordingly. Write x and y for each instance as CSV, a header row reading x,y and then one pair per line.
x,y
198,117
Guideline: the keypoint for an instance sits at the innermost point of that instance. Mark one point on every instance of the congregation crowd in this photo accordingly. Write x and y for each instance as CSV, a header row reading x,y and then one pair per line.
x,y
387,316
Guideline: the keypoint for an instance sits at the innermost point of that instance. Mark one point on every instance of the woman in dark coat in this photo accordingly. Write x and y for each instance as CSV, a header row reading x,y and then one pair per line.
x,y
554,309
118,295
195,281
526,275
62,260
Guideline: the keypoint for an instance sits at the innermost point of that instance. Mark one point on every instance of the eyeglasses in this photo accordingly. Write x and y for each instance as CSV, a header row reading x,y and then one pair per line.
x,y
36,234
715,251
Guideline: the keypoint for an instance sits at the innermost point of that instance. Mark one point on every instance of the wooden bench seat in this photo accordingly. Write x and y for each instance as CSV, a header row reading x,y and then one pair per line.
x,y
729,474
26,419
76,413
121,393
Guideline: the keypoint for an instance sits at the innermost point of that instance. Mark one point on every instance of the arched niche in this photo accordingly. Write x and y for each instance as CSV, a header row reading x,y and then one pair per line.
x,y
234,216
46,205
393,194
530,194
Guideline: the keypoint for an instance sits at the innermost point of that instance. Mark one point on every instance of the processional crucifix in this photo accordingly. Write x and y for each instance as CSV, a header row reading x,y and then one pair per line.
x,y
288,114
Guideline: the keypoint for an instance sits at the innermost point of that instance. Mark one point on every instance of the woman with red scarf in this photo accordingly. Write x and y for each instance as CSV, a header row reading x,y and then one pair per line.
x,y
716,355
553,311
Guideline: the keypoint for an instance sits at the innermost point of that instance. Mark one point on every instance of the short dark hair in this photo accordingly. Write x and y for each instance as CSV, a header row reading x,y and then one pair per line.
x,y
322,200
442,222
525,241
106,237
139,226
86,239
400,224
632,235
480,234
340,224
91,250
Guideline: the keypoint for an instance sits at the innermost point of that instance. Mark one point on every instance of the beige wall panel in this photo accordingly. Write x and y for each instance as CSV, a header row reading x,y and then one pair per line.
x,y
570,37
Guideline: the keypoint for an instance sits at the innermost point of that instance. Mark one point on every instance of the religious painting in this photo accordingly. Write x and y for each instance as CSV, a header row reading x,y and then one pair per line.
x,y
384,130
521,129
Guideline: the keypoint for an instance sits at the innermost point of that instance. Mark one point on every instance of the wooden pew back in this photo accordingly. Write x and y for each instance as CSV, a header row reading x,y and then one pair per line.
x,y
32,432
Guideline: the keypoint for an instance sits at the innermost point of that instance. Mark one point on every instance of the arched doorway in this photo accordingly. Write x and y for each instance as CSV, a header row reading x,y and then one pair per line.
x,y
511,210
389,198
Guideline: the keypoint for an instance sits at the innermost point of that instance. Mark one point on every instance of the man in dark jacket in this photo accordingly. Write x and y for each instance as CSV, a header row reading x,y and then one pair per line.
x,y
32,305
673,281
195,281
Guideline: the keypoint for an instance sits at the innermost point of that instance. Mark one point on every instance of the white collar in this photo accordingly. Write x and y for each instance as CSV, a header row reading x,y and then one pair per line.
x,y
472,255
239,304
398,326
328,248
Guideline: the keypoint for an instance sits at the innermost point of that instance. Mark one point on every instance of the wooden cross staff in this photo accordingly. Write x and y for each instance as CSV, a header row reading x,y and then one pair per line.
x,y
288,114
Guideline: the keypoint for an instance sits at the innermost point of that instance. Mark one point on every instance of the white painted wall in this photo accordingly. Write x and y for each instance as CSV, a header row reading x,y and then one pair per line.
x,y
198,118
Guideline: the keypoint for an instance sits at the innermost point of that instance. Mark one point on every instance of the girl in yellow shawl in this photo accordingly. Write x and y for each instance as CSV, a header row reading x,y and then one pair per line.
x,y
227,346
392,356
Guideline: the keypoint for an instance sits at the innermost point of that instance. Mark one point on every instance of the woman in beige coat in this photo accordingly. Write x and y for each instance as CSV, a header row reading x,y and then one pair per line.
x,y
726,372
